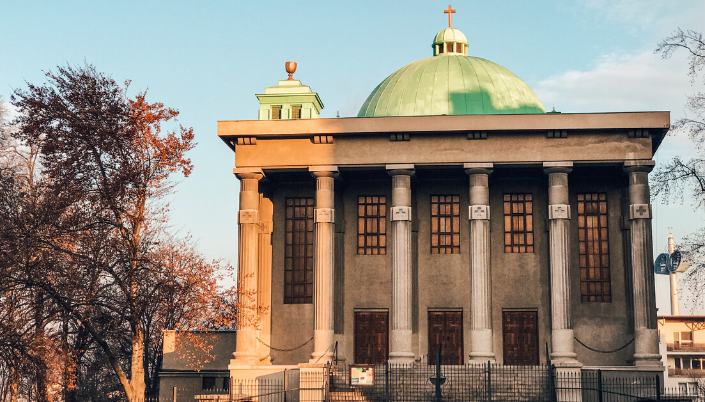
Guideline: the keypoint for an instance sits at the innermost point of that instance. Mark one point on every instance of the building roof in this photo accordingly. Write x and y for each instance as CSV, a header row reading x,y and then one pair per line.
x,y
450,35
451,83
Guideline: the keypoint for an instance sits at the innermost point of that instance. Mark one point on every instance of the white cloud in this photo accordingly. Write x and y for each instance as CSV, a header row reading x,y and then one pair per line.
x,y
647,16
640,82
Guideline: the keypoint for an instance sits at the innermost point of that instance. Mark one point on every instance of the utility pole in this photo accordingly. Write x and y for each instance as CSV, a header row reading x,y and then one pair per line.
x,y
674,280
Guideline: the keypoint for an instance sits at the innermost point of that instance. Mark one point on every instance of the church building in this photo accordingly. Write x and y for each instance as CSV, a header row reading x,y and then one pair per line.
x,y
453,214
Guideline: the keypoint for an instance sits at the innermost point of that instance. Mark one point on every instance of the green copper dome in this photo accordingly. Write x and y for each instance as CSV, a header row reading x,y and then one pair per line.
x,y
451,83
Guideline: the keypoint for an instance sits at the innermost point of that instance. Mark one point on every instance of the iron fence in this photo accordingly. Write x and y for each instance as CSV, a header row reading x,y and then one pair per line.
x,y
474,382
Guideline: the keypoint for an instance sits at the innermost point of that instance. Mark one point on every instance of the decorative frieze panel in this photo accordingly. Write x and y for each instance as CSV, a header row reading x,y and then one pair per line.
x,y
246,141
401,213
399,137
477,135
324,215
481,212
557,134
639,211
247,216
559,211
638,133
322,139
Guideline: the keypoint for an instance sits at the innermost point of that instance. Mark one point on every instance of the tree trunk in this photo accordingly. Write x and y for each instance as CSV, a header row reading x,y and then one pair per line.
x,y
14,384
39,335
137,379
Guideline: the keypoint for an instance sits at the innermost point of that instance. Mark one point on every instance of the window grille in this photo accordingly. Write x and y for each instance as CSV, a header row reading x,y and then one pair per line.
x,y
518,223
296,112
593,241
276,112
445,224
371,225
298,261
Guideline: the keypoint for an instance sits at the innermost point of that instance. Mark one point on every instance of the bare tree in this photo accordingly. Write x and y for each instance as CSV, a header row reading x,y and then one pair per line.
x,y
679,178
90,237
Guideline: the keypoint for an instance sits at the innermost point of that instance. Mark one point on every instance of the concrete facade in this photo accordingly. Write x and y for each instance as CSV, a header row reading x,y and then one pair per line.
x,y
438,155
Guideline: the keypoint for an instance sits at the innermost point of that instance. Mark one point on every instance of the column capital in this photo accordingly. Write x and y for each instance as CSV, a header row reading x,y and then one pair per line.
x,y
640,165
401,169
478,168
248,173
323,171
558,167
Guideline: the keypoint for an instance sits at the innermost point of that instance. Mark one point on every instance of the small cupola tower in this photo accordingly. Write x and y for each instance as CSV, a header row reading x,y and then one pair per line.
x,y
289,99
450,40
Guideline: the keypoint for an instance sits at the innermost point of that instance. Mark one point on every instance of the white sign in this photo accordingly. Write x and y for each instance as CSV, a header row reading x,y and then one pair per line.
x,y
363,376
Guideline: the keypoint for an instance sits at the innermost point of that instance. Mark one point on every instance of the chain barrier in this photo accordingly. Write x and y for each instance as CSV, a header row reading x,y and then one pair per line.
x,y
604,351
284,350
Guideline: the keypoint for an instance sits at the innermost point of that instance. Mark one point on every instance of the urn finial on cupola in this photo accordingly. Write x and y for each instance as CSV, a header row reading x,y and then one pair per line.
x,y
291,69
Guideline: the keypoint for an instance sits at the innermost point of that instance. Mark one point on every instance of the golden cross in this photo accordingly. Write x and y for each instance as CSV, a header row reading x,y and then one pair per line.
x,y
450,12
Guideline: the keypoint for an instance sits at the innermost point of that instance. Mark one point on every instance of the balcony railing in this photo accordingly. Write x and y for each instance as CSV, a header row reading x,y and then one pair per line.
x,y
690,373
686,347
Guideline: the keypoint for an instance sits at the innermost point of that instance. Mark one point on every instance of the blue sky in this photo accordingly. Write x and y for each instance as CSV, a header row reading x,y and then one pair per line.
x,y
208,59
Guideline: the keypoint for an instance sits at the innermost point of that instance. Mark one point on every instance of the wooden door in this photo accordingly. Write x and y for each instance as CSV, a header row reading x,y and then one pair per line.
x,y
371,337
521,337
445,334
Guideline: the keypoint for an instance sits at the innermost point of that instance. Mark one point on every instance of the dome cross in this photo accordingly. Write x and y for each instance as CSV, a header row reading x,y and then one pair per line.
x,y
450,12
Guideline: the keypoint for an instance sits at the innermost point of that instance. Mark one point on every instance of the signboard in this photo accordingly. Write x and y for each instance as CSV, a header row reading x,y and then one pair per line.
x,y
680,261
662,264
362,375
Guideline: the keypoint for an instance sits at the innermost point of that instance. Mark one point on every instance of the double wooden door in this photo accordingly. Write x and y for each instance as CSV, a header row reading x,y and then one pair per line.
x,y
371,337
521,337
445,335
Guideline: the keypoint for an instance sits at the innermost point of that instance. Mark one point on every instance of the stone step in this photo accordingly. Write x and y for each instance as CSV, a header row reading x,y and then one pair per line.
x,y
347,396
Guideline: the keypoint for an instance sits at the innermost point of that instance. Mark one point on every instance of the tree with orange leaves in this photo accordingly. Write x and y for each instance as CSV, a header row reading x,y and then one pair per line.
x,y
101,253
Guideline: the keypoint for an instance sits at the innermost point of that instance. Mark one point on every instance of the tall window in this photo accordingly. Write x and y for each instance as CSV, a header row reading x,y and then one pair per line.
x,y
518,223
298,261
372,225
594,248
276,112
445,224
296,112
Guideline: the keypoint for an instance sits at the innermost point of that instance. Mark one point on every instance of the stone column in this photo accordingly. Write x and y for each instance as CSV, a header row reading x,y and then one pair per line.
x,y
562,346
480,275
247,268
324,260
646,351
400,333
264,278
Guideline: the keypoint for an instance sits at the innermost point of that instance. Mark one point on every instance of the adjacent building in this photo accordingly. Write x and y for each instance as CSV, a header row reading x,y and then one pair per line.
x,y
683,347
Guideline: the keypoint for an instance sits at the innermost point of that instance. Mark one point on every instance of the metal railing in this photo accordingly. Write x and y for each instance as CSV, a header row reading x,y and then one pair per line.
x,y
685,347
690,373
473,382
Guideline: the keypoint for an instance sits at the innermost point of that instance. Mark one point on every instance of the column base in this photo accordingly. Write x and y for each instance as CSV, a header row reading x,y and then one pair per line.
x,y
400,346
646,347
481,345
323,346
563,352
246,347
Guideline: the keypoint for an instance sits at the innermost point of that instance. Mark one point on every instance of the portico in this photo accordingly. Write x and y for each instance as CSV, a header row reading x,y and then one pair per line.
x,y
393,270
